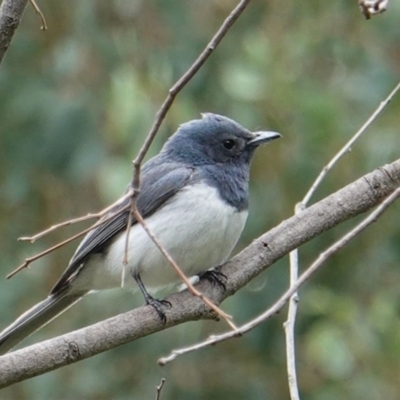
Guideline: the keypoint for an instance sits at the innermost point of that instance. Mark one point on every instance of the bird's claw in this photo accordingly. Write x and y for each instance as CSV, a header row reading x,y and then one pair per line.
x,y
215,277
158,306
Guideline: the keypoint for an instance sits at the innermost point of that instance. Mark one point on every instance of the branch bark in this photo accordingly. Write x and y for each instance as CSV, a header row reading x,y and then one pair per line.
x,y
346,203
10,16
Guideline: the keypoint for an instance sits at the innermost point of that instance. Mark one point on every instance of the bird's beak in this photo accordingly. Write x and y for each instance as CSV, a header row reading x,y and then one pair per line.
x,y
263,137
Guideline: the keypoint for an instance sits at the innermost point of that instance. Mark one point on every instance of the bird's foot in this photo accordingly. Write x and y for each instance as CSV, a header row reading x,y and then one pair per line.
x,y
214,276
159,306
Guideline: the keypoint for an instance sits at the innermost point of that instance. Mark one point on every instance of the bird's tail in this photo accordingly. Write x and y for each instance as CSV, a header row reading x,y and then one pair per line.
x,y
37,317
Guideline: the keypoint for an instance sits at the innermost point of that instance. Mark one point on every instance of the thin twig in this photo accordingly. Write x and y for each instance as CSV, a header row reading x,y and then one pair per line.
x,y
280,303
348,145
128,230
39,235
41,15
176,88
159,388
98,215
181,275
180,84
35,257
126,247
289,325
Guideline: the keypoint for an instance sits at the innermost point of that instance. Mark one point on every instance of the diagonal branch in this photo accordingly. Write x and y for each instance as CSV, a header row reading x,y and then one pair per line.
x,y
281,302
346,148
181,83
354,199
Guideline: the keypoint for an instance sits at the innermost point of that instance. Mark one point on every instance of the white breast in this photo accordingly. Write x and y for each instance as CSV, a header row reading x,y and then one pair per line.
x,y
197,229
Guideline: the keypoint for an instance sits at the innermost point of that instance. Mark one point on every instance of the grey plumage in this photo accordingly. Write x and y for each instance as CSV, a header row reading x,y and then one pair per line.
x,y
37,317
194,196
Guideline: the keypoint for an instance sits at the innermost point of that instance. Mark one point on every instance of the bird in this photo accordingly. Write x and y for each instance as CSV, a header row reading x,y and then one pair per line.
x,y
194,198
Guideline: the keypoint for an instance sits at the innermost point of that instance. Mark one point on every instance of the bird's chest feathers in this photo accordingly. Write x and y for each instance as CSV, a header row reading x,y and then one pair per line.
x,y
201,207
197,228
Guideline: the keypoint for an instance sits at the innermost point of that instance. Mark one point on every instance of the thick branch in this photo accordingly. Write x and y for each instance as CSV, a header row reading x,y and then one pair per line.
x,y
352,200
10,16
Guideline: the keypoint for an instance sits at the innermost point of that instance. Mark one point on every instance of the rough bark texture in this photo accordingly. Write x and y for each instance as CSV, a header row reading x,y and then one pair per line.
x,y
352,200
10,16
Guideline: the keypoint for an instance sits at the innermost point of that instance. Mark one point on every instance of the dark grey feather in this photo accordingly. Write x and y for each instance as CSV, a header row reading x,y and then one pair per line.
x,y
35,318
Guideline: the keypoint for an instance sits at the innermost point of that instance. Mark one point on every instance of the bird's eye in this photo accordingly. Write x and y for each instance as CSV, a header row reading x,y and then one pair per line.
x,y
229,144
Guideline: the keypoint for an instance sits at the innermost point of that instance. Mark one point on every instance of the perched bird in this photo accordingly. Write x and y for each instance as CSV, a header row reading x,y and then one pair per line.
x,y
194,198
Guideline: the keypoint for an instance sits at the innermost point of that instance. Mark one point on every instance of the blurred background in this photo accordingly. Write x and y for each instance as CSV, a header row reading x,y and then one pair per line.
x,y
76,103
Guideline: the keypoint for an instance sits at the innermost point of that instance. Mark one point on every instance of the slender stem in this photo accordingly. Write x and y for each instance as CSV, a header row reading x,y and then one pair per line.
x,y
346,148
99,214
29,260
41,15
181,83
159,388
289,325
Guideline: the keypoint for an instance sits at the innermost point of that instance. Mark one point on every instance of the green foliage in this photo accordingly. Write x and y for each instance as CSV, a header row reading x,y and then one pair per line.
x,y
77,101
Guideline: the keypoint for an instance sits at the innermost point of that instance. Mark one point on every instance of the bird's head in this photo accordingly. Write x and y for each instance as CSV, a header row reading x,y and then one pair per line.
x,y
215,139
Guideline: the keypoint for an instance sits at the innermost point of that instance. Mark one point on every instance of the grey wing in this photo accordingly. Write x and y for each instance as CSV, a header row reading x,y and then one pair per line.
x,y
159,183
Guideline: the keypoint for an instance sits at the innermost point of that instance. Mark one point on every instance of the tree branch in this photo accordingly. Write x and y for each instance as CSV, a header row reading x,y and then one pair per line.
x,y
281,302
10,16
352,200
